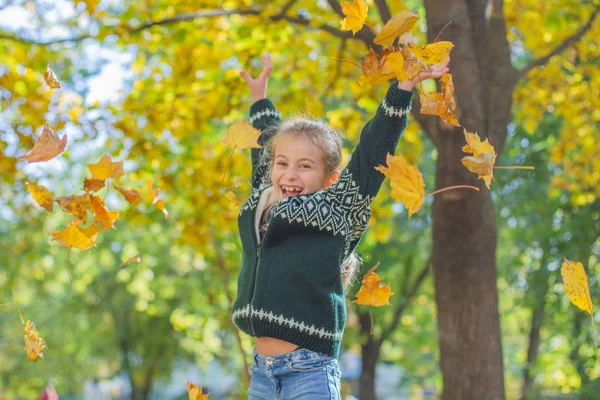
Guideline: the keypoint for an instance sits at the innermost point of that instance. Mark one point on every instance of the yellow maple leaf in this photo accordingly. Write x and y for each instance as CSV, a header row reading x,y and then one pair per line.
x,y
153,197
372,68
101,214
76,205
441,104
356,14
42,196
394,64
576,285
48,146
106,168
93,185
483,159
398,25
75,236
34,344
406,182
371,292
232,198
433,53
132,196
242,135
195,392
50,78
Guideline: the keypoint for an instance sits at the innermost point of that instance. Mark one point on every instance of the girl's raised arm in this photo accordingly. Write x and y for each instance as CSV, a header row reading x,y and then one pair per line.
x,y
263,115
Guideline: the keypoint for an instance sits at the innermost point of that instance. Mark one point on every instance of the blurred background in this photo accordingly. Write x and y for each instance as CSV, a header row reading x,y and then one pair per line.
x,y
156,84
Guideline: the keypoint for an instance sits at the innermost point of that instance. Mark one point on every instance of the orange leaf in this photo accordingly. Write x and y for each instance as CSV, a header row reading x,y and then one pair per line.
x,y
42,196
356,14
92,185
132,195
48,146
153,197
51,79
406,182
106,168
441,104
76,205
74,236
372,67
34,344
576,285
396,26
102,214
371,292
433,53
242,135
195,392
394,64
483,158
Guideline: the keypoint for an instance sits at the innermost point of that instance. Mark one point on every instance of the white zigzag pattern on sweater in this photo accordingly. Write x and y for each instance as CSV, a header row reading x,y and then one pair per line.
x,y
264,113
250,311
391,111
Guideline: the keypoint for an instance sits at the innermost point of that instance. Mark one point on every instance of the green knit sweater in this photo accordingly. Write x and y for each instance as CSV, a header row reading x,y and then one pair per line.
x,y
290,285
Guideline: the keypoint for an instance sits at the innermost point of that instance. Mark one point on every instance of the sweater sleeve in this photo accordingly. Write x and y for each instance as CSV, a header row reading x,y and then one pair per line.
x,y
264,117
379,137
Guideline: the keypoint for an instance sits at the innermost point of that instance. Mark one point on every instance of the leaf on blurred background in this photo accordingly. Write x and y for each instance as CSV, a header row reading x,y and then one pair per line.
x,y
75,236
133,259
132,196
42,196
483,158
372,68
441,104
576,284
34,344
93,185
106,168
76,205
371,292
195,392
101,214
396,26
433,53
153,198
394,64
242,135
48,146
356,14
232,198
406,182
50,78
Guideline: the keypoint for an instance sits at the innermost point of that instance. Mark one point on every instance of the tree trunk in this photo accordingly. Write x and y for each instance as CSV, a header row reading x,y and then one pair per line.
x,y
370,355
537,320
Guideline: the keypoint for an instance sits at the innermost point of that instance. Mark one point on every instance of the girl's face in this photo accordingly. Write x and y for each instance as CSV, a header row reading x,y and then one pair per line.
x,y
298,166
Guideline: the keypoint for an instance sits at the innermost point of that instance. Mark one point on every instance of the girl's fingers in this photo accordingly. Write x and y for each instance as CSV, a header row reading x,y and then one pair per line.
x,y
246,76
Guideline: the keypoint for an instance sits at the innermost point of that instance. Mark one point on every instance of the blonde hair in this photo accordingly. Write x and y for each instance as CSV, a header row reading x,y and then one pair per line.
x,y
330,141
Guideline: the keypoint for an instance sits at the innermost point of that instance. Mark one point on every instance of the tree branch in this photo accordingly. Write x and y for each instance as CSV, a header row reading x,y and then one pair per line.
x,y
196,15
566,43
384,10
337,7
402,306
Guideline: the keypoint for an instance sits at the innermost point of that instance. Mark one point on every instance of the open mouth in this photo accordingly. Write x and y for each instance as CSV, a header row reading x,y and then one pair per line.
x,y
290,190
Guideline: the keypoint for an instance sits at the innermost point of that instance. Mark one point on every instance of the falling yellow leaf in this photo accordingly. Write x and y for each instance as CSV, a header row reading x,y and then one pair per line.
x,y
51,79
42,196
195,392
136,258
232,198
406,182
394,64
371,292
242,135
576,285
102,214
76,205
34,344
74,236
48,146
356,14
106,168
93,185
434,53
483,159
153,197
131,195
398,25
441,104
372,68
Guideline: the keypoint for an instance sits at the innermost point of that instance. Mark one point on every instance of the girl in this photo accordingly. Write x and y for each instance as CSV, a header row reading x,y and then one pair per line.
x,y
299,230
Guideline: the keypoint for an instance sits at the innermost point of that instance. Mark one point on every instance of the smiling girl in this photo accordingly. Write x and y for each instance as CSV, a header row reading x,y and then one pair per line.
x,y
299,230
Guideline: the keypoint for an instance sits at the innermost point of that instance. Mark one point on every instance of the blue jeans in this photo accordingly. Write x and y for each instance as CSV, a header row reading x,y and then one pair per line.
x,y
300,375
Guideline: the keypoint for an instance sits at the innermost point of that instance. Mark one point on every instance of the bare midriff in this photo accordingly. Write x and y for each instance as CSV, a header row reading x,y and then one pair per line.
x,y
272,347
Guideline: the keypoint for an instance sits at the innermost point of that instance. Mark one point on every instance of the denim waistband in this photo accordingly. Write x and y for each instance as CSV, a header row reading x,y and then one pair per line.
x,y
286,358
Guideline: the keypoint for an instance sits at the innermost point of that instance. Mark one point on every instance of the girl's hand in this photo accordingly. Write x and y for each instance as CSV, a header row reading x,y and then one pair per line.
x,y
436,72
258,86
